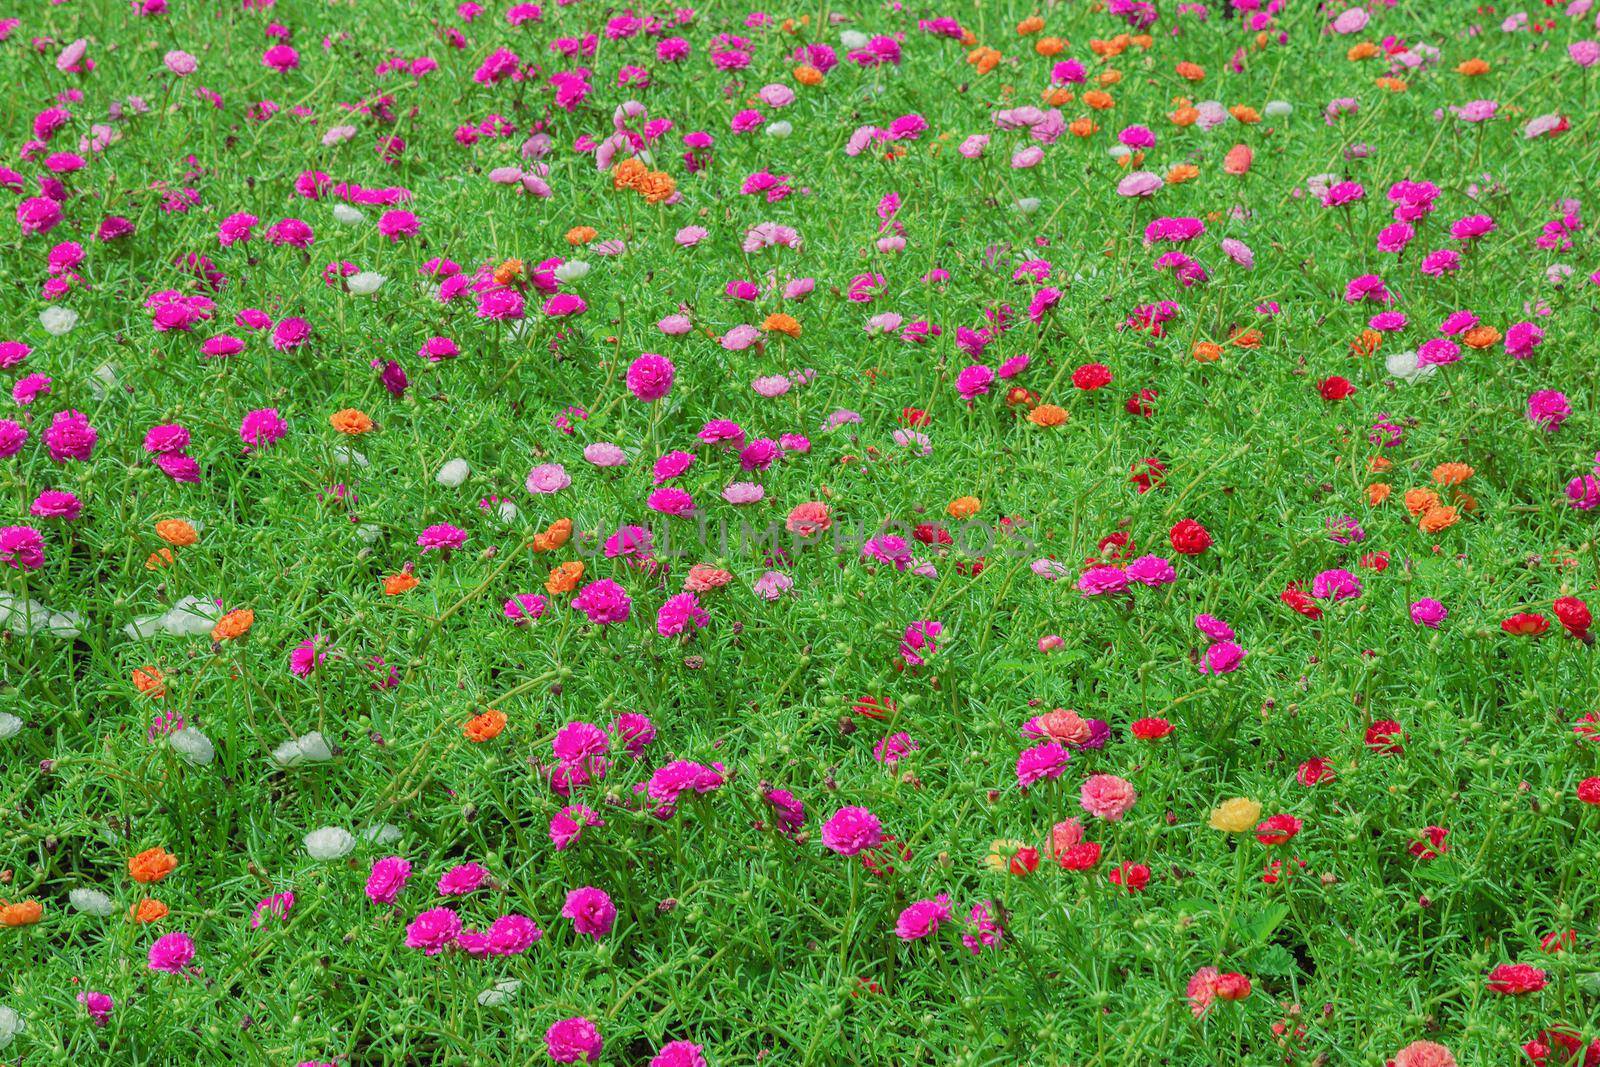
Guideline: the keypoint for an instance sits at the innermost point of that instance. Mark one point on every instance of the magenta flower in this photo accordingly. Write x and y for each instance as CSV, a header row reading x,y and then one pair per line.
x,y
574,1039
433,931
387,878
851,830
441,537
591,911
604,602
171,953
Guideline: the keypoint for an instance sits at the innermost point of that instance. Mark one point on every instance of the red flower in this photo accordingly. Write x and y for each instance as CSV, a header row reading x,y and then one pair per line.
x,y
1589,790
1515,979
1142,403
1525,624
1189,538
1385,736
1335,388
1092,376
1276,872
1025,861
1080,857
1300,601
874,707
1278,829
1434,848
1148,474
1573,614
1376,561
880,861
1116,545
1232,987
1151,729
1314,770
914,417
1558,940
1131,876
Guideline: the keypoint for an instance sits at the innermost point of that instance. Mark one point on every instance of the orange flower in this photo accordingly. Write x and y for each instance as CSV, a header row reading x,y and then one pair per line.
x,y
1245,114
564,578
963,507
555,535
1047,415
581,235
1393,85
806,74
351,421
1098,99
1440,518
778,322
1364,50
148,910
1466,501
152,865
1378,492
508,272
1049,46
176,532
1238,160
1182,172
657,187
1246,339
1109,77
1185,116
1030,25
1083,127
987,59
233,624
1056,97
1379,463
628,174
1206,351
1366,343
22,913
1451,473
404,582
1472,68
1482,337
1420,501
160,559
150,682
1191,72
485,727
1017,396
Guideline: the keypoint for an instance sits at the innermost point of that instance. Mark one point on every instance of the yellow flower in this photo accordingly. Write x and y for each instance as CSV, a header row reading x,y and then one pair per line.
x,y
1000,853
1235,816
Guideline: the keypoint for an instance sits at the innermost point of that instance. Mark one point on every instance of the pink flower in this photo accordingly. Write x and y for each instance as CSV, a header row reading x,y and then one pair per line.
x,y
1548,409
441,537
604,602
98,1005
679,1054
388,877
1107,796
433,931
462,879
1044,760
923,918
21,548
591,911
262,428
680,613
851,830
571,1040
171,953
650,377
70,437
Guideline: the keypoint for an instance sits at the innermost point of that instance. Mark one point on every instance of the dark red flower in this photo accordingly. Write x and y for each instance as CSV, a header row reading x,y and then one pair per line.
x,y
1573,614
1025,861
1080,857
1231,987
870,707
1515,979
1092,376
1151,729
1385,736
1525,624
1589,790
1301,601
1314,770
1148,474
1433,847
1142,403
914,417
1277,829
1335,388
1131,876
1189,538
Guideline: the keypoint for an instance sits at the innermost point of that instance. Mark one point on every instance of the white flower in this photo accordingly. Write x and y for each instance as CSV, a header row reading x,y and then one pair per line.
x,y
1403,365
499,993
453,473
365,284
369,533
91,901
11,1024
10,725
853,39
58,320
780,129
346,214
349,457
1278,109
190,617
28,617
572,270
297,750
507,512
193,745
103,382
386,833
1119,151
330,843
1028,205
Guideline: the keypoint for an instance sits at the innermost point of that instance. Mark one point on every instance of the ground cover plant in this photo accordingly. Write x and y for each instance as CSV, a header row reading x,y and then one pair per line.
x,y
851,533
